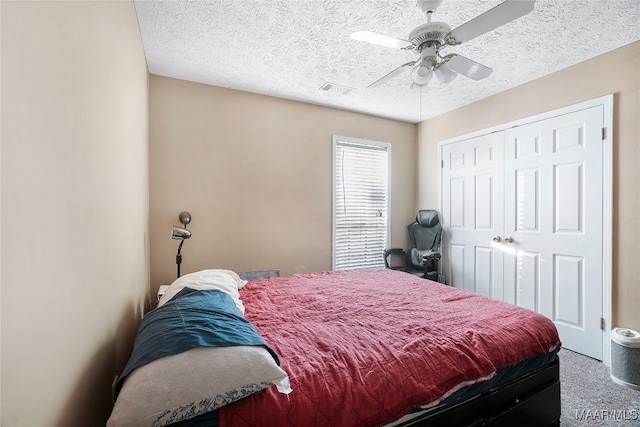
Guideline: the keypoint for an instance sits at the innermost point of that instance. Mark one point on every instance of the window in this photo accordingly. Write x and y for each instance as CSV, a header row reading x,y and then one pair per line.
x,y
360,203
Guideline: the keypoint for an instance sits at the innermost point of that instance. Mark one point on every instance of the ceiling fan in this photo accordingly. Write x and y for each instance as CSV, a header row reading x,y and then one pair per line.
x,y
428,39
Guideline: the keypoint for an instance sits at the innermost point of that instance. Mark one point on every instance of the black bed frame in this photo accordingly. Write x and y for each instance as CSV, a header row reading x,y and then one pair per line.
x,y
532,400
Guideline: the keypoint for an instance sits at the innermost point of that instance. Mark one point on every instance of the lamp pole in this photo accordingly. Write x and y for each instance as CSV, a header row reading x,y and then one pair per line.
x,y
179,259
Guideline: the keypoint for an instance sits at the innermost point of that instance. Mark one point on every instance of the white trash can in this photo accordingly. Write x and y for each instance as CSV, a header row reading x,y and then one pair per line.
x,y
625,357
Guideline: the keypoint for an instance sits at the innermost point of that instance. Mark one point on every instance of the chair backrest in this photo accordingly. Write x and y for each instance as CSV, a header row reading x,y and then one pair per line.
x,y
425,233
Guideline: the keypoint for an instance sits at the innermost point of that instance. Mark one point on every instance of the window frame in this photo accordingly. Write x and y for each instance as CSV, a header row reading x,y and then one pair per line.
x,y
377,145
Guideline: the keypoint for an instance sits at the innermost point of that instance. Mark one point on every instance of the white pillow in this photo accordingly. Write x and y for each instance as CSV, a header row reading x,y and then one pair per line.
x,y
185,385
226,281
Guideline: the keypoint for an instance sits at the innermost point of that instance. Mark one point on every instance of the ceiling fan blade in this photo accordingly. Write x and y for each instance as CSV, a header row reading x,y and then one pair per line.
x,y
392,74
492,19
381,39
467,67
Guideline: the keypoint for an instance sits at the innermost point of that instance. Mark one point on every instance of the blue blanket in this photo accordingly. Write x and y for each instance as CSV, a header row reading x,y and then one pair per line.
x,y
191,319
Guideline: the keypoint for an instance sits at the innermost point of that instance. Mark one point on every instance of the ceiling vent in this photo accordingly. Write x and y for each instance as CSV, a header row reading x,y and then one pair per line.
x,y
336,88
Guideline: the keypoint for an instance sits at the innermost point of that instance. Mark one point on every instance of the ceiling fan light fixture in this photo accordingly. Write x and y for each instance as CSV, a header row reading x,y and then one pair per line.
x,y
421,73
444,75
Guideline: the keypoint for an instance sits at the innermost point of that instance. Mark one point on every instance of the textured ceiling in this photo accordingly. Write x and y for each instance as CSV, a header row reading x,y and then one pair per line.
x,y
290,48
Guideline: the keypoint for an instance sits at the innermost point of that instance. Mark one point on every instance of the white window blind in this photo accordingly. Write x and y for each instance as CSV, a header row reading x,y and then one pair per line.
x,y
361,194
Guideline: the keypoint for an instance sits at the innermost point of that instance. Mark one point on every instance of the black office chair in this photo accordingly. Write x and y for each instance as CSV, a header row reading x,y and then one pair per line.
x,y
423,256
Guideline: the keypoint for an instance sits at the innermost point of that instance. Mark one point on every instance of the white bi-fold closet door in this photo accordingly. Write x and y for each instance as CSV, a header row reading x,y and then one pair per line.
x,y
522,209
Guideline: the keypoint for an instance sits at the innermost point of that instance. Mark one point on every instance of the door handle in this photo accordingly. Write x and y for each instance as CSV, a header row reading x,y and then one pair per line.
x,y
497,239
509,239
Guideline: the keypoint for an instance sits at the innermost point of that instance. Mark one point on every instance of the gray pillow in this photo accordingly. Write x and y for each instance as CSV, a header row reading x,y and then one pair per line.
x,y
182,386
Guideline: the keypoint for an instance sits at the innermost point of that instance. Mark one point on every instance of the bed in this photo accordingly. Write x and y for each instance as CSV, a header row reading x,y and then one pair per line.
x,y
342,348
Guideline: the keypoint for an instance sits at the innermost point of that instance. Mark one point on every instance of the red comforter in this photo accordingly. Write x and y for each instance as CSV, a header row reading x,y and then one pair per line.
x,y
363,348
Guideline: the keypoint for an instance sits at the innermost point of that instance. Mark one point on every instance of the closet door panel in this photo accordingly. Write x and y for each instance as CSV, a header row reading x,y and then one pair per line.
x,y
554,210
569,273
484,274
472,213
527,279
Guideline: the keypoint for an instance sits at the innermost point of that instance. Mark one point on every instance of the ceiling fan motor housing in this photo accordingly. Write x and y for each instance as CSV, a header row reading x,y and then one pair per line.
x,y
428,34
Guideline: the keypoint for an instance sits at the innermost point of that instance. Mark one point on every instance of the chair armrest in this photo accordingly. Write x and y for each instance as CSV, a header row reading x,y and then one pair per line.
x,y
392,251
395,251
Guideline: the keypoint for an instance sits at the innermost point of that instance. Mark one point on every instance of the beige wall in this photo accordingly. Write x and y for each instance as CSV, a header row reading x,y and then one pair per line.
x,y
616,72
75,271
255,173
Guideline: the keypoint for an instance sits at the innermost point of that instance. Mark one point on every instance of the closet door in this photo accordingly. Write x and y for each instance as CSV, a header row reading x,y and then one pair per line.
x,y
522,211
472,213
553,224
